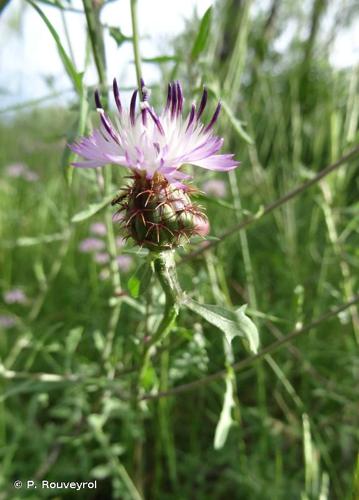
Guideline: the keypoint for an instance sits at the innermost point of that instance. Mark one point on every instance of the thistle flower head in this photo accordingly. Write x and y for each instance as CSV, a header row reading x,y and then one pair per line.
x,y
156,209
157,214
150,143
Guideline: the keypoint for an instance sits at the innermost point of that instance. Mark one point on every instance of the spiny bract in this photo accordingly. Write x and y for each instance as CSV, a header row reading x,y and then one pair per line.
x,y
158,215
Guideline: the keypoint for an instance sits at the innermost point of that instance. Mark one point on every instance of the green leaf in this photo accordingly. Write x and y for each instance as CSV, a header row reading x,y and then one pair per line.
x,y
140,280
237,125
148,377
225,421
73,339
118,36
160,59
133,285
202,35
28,241
231,323
101,471
215,201
92,209
66,61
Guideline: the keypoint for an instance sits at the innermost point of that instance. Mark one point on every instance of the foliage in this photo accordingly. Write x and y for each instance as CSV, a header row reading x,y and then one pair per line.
x,y
284,427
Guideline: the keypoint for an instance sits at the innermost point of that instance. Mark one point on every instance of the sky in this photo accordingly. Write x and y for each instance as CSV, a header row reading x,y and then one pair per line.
x,y
28,57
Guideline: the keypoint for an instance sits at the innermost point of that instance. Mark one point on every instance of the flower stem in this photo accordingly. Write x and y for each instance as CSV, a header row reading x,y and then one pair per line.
x,y
165,269
136,46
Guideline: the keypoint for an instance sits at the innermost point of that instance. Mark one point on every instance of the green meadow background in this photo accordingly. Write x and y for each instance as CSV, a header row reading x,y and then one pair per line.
x,y
286,424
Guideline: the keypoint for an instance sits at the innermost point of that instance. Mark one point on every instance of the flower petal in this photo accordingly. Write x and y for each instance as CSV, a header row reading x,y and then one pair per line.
x,y
218,162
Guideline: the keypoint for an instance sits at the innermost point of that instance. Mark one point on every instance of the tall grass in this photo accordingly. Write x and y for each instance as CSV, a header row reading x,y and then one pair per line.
x,y
281,425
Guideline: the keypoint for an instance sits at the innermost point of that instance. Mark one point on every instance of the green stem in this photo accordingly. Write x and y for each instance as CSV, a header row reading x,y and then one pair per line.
x,y
136,46
165,269
94,29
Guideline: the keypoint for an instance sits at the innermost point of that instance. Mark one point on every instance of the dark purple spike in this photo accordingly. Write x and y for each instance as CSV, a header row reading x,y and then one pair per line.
x,y
179,98
191,116
144,94
203,103
169,97
133,107
98,100
214,117
144,116
108,126
156,120
174,100
144,90
116,94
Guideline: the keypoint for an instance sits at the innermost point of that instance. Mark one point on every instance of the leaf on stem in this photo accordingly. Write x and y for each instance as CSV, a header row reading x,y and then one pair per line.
x,y
140,280
92,209
202,35
231,323
160,59
118,36
225,421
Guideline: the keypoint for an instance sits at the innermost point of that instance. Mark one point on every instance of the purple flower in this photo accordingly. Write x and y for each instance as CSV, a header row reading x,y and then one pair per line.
x,y
215,187
7,321
21,170
91,245
124,262
98,228
101,258
31,176
146,142
16,170
15,296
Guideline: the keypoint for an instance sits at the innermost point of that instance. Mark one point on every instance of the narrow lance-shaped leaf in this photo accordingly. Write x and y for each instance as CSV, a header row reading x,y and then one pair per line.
x,y
225,421
160,59
92,209
118,36
140,280
231,323
68,65
202,35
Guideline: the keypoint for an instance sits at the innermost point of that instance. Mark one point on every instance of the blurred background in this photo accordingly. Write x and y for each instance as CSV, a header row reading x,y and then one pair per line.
x,y
286,427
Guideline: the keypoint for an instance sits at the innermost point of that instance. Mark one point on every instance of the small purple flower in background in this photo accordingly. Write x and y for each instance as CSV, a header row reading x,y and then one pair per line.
x,y
98,228
17,170
6,321
89,245
101,258
31,176
125,262
15,296
215,187
151,143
